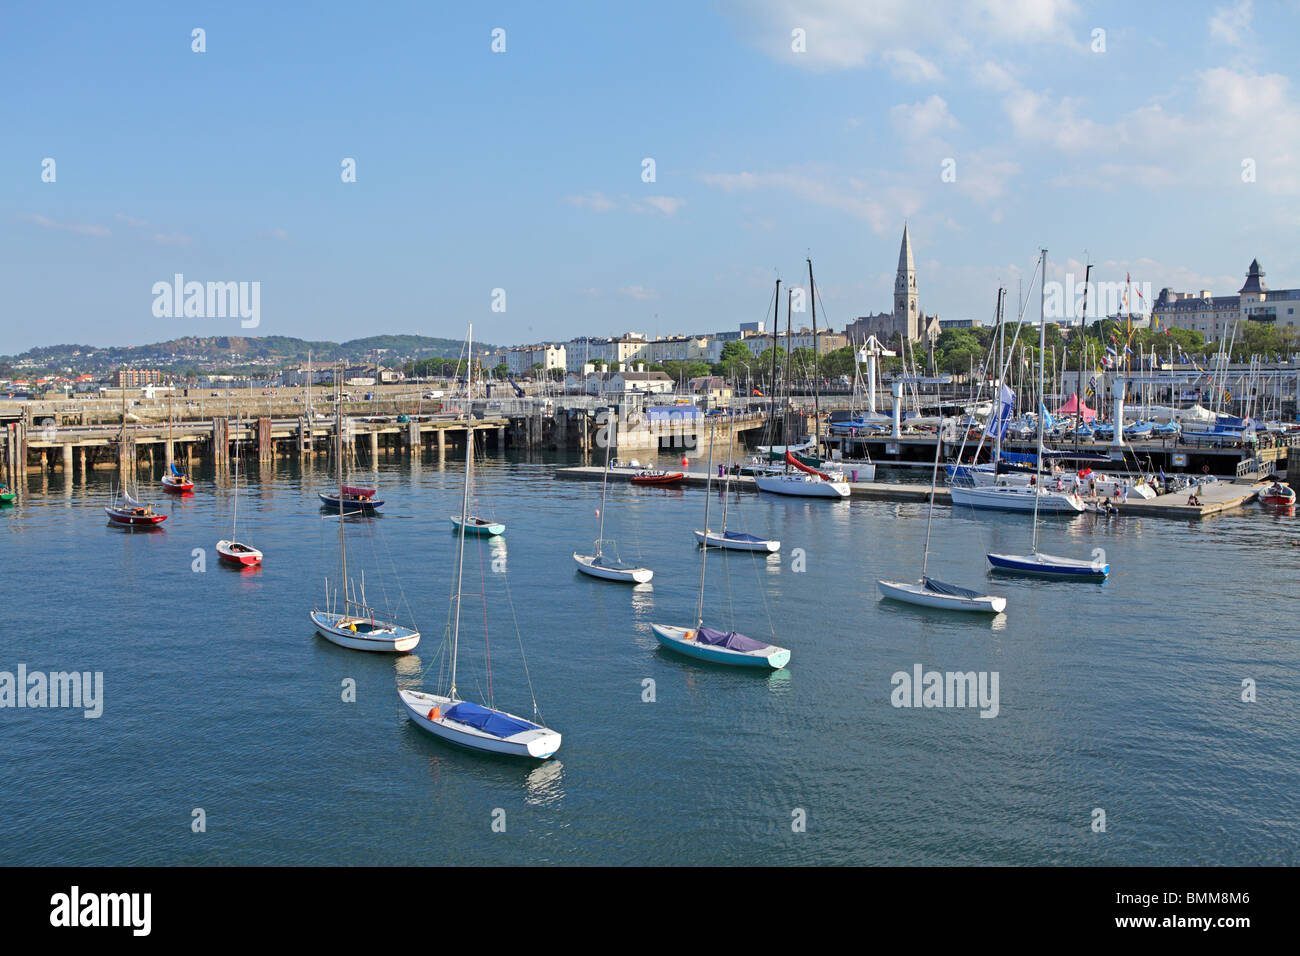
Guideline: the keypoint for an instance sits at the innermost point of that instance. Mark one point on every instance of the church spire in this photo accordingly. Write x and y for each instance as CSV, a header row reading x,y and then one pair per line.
x,y
905,253
906,316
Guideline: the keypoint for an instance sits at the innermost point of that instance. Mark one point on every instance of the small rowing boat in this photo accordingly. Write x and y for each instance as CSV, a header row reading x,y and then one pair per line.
x,y
355,500
176,481
658,478
1278,495
240,555
473,525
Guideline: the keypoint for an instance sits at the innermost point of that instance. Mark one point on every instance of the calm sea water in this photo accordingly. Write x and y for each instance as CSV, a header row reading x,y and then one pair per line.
x,y
1124,696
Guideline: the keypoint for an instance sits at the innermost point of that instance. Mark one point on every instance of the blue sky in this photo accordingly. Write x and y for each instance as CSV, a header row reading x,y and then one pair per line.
x,y
522,170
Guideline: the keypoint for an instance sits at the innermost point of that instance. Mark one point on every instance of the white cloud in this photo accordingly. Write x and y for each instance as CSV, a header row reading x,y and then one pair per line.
x,y
846,34
594,201
80,229
638,292
910,66
923,120
668,205
1231,25
280,234
131,221
816,186
170,239
984,175
1234,115
598,202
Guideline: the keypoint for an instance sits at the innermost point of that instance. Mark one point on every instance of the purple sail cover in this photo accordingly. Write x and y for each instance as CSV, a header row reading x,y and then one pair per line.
x,y
729,639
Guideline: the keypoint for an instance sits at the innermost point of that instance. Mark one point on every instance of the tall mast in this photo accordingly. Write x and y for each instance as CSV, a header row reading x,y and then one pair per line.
x,y
934,477
464,501
234,519
604,482
704,554
789,354
817,384
338,459
1002,373
776,326
1042,405
1083,339
726,485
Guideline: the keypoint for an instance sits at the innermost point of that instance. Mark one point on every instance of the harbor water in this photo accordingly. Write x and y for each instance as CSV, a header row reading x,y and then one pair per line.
x,y
231,734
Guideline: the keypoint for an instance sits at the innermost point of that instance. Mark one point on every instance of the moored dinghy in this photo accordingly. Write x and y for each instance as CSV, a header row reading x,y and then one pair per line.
x,y
1035,563
231,550
466,724
601,565
1038,564
929,592
711,644
176,480
949,597
611,569
721,647
354,500
350,621
734,540
479,728
473,525
738,541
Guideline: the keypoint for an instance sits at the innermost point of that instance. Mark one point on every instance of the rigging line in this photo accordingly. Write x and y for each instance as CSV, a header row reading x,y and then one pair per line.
x,y
487,643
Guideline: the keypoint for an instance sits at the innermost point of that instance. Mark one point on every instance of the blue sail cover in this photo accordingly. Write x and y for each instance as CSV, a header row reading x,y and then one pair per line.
x,y
1001,416
1020,459
728,639
951,590
740,536
489,721
176,471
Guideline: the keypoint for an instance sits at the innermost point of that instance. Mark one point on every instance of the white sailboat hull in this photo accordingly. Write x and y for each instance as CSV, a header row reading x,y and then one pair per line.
x,y
379,636
802,486
920,595
716,539
1006,497
539,743
587,565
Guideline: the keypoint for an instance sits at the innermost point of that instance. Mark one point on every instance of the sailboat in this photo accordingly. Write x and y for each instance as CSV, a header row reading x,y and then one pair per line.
x,y
805,481
231,550
126,510
1036,563
970,485
475,726
733,540
350,621
601,565
929,592
175,480
473,524
711,644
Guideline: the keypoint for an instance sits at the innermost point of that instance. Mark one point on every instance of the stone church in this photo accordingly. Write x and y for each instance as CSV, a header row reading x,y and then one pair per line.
x,y
907,318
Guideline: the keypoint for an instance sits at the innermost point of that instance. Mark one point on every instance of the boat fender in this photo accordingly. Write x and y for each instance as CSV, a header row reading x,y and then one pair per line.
x,y
434,713
352,627
688,636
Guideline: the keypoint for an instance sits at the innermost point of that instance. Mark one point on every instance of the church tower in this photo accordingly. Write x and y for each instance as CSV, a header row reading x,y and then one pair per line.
x,y
906,316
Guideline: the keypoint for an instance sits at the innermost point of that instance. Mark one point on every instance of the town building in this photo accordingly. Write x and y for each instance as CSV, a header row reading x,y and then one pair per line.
x,y
136,377
1214,315
521,359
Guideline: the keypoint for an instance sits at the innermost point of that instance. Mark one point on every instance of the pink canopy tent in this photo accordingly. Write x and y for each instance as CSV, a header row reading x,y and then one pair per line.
x,y
1071,408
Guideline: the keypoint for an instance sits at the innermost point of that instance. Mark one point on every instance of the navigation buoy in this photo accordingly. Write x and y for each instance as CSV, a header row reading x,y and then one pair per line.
x,y
684,461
